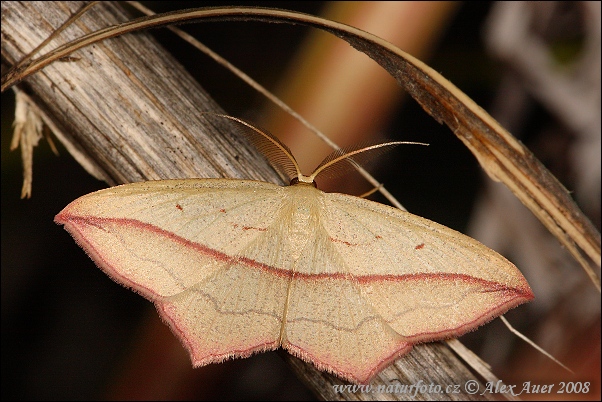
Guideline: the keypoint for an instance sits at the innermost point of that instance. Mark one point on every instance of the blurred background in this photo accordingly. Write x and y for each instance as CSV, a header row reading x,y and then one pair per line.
x,y
69,332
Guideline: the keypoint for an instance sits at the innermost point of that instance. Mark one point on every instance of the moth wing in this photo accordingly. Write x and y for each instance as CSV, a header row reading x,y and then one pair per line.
x,y
181,244
390,279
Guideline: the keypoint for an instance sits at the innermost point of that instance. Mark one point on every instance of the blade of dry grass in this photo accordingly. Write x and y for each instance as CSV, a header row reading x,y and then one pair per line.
x,y
501,155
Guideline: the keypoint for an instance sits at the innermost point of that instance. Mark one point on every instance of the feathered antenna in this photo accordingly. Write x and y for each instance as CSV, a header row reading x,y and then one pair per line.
x,y
283,160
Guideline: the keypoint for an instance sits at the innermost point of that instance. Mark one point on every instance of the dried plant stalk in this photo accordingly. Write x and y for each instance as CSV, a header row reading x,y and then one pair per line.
x,y
89,116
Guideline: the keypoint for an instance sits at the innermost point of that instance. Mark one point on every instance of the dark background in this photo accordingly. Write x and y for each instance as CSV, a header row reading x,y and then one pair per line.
x,y
68,330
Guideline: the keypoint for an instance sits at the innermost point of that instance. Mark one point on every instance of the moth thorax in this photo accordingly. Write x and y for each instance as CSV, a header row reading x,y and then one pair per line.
x,y
302,223
303,180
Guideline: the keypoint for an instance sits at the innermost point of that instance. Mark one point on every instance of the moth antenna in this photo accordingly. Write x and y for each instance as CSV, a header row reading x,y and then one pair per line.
x,y
277,153
369,193
346,154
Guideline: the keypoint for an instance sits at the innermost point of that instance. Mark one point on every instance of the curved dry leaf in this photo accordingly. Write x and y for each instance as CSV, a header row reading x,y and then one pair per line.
x,y
501,155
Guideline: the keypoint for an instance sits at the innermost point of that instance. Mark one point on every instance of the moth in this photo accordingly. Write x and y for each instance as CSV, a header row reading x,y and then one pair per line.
x,y
236,267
